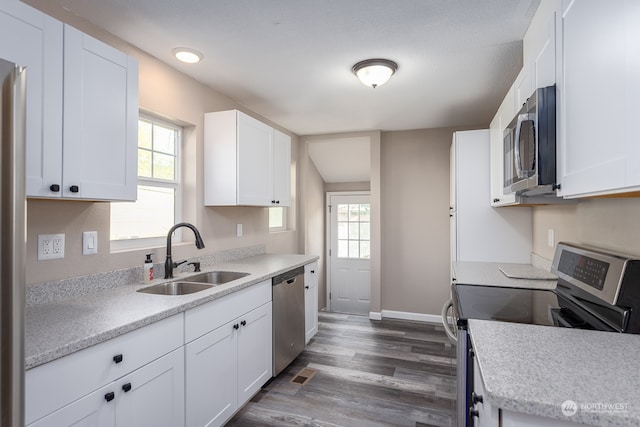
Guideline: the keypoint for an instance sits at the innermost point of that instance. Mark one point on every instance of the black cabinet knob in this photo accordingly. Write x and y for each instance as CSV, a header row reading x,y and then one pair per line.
x,y
277,202
273,202
55,188
109,396
126,387
74,188
117,358
306,287
476,398
496,200
313,272
236,326
474,413
243,323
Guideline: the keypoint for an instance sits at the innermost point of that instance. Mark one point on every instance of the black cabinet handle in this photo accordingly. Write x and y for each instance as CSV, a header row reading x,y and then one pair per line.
x,y
117,358
109,396
556,187
306,287
273,202
243,323
126,387
476,398
74,188
474,413
496,200
277,202
54,187
236,326
313,272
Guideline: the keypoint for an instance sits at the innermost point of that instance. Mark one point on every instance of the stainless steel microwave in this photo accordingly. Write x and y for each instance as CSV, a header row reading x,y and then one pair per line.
x,y
530,146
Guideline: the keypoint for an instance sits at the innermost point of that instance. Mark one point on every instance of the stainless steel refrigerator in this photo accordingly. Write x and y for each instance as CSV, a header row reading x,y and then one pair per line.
x,y
13,247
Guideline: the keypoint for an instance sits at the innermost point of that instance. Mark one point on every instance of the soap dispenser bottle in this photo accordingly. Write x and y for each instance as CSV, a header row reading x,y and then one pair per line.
x,y
148,269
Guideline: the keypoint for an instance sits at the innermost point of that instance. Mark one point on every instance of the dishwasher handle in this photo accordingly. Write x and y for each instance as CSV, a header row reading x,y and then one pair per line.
x,y
290,281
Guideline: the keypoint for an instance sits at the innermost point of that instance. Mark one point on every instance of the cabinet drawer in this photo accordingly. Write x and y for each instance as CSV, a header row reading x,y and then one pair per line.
x,y
207,317
57,383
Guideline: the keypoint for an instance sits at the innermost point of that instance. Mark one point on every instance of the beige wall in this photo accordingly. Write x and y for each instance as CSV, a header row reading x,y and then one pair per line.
x,y
170,94
347,186
608,223
415,225
316,220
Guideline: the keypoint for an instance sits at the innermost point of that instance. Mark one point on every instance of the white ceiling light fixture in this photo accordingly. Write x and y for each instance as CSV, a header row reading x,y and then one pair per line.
x,y
185,54
374,72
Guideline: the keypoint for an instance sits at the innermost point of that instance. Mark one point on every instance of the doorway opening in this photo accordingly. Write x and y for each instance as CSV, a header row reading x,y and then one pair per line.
x,y
349,252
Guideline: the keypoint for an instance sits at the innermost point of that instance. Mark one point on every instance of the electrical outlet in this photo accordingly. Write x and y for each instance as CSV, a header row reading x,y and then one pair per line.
x,y
239,230
50,246
551,239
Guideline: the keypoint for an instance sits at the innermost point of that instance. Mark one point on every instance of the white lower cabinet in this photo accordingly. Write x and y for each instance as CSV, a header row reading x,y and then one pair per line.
x,y
151,396
136,379
310,300
228,365
486,414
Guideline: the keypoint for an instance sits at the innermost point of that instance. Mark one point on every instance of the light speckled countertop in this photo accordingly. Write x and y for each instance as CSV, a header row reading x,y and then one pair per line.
x,y
489,274
534,369
58,328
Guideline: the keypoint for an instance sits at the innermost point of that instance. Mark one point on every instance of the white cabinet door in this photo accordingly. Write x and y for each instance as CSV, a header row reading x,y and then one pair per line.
x,y
97,409
254,161
100,120
545,57
211,377
487,414
246,162
523,87
255,363
310,300
600,60
153,396
36,43
281,160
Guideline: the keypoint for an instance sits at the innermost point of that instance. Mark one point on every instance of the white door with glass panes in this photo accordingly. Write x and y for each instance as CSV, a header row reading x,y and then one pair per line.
x,y
350,252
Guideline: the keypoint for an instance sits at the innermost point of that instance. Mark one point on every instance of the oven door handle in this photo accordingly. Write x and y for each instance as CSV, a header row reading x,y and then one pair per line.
x,y
445,322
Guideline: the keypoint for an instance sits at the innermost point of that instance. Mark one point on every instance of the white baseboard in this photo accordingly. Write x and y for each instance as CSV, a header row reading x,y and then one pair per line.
x,y
405,315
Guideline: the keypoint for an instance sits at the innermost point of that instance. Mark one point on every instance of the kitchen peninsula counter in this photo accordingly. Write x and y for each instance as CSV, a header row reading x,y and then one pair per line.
x,y
61,327
535,369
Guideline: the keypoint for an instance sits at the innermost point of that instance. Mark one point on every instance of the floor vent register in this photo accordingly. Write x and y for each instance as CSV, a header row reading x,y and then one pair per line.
x,y
304,376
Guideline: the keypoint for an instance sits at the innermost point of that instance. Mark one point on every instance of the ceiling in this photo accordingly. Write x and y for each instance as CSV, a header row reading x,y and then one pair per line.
x,y
342,159
290,60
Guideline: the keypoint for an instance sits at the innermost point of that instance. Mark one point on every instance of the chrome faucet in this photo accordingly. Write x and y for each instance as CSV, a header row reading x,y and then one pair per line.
x,y
169,265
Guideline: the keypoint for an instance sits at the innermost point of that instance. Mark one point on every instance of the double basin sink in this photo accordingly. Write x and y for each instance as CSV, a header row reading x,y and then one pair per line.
x,y
193,284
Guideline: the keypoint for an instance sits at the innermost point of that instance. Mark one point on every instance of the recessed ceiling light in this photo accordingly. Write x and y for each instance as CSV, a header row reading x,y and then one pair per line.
x,y
374,72
190,56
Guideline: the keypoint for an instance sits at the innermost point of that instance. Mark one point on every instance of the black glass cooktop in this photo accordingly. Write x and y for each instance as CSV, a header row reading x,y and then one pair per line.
x,y
532,306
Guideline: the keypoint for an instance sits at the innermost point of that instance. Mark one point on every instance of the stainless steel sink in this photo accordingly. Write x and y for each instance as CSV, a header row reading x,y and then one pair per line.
x,y
175,288
215,277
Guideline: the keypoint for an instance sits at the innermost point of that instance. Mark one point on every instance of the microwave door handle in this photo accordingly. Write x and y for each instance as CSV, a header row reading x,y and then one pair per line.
x,y
516,145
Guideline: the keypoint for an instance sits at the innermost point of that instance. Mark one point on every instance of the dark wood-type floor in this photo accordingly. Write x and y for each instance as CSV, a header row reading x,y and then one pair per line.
x,y
369,373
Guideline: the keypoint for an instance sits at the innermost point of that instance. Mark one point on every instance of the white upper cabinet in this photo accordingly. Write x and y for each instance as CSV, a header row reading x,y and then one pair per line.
x,y
100,120
37,43
281,176
246,162
82,108
600,64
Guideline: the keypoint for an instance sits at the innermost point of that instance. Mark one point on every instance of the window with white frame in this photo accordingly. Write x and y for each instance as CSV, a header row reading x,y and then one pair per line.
x,y
277,218
146,221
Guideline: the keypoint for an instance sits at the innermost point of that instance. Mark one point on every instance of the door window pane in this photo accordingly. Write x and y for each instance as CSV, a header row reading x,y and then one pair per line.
x,y
354,230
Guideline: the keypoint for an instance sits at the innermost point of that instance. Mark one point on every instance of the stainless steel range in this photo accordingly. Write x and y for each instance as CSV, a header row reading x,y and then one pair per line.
x,y
596,289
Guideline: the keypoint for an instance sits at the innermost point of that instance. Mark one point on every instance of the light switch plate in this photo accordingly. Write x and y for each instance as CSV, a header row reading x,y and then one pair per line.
x,y
89,242
50,246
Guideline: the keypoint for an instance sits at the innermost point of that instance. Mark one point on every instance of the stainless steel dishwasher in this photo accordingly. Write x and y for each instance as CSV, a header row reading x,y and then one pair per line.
x,y
288,318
